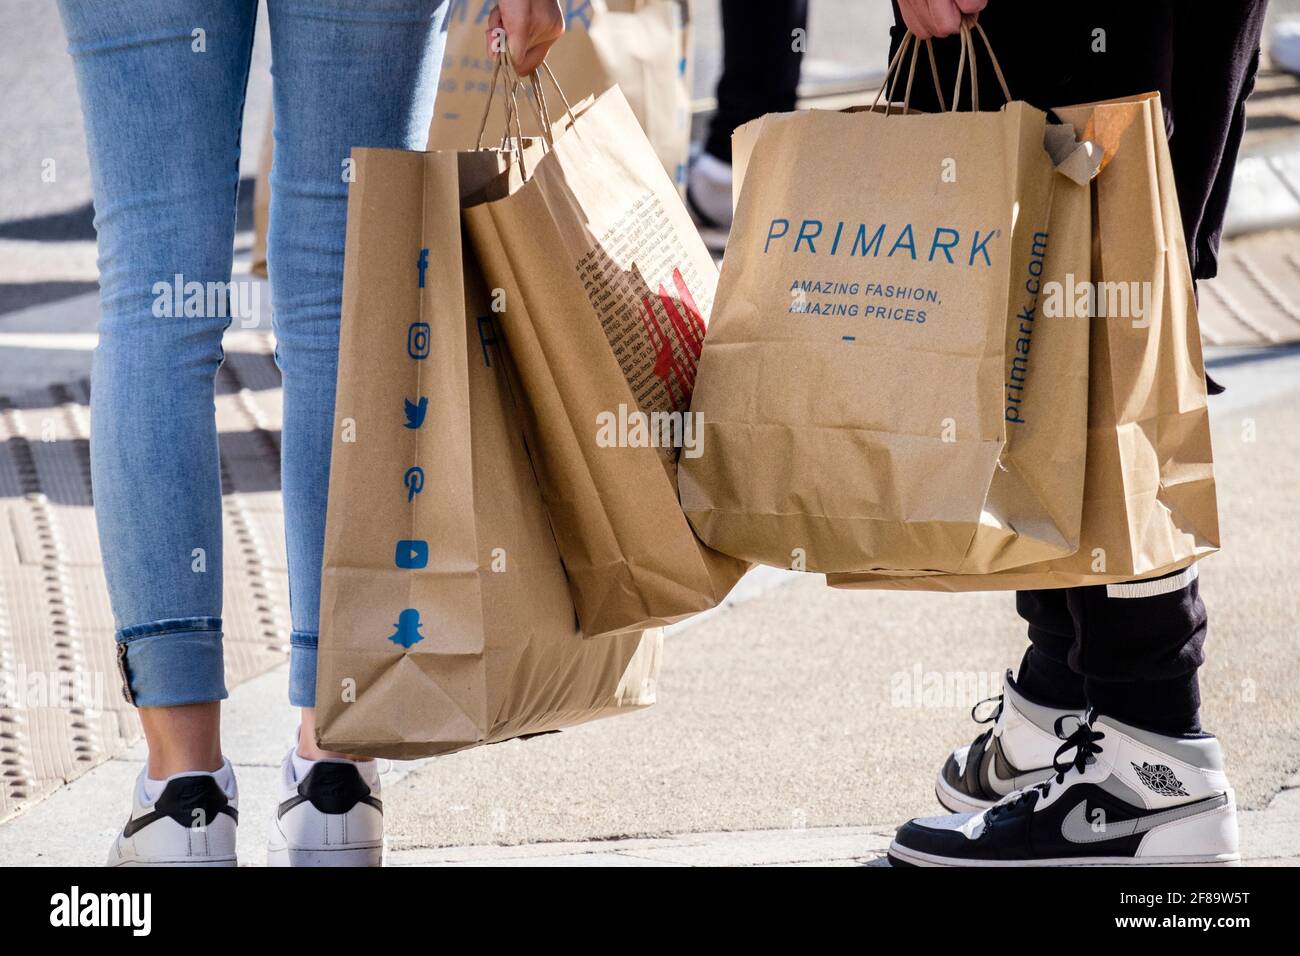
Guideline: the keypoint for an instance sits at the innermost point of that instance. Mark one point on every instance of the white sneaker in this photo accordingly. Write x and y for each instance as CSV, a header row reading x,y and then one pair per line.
x,y
1284,47
329,814
1121,795
1016,752
190,822
708,197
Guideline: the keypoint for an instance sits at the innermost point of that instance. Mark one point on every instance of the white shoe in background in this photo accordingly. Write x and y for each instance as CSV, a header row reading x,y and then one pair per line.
x,y
708,194
1284,46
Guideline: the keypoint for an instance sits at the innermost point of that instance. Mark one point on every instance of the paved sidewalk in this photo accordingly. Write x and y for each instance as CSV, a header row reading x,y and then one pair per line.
x,y
1269,837
74,827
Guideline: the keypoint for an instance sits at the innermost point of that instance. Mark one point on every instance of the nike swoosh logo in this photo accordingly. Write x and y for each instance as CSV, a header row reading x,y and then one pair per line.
x,y
1077,828
996,758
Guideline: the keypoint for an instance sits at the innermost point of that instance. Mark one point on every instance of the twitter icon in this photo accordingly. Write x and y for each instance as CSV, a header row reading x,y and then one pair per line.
x,y
415,412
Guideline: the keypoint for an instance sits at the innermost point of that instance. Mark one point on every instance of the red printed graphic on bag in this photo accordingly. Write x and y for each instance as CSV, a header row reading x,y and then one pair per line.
x,y
652,305
689,333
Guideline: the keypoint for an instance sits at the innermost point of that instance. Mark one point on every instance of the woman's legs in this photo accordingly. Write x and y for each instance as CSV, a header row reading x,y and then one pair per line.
x,y
162,89
346,73
182,738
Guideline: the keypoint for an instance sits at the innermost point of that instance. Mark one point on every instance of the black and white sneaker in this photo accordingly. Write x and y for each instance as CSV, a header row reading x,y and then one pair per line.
x,y
1120,796
1016,752
191,822
329,814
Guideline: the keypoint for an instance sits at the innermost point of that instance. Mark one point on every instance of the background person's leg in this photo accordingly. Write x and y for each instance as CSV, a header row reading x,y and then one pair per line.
x,y
761,62
760,66
1214,72
162,87
346,73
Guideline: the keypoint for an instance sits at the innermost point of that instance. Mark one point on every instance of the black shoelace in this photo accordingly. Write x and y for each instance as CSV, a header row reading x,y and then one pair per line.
x,y
1082,743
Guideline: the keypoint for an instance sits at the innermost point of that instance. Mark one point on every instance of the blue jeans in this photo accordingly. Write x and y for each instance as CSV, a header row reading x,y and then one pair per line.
x,y
162,86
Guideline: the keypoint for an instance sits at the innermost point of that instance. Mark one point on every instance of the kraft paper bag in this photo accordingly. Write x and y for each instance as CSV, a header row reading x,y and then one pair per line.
x,y
446,620
639,45
1150,506
607,290
863,386
646,47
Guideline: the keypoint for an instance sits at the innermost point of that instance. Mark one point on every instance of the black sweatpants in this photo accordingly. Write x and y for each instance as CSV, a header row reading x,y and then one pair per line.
x,y
1130,650
760,65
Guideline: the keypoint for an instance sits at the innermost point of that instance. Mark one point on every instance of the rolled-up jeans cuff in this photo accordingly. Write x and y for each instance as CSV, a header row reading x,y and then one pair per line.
x,y
172,662
302,669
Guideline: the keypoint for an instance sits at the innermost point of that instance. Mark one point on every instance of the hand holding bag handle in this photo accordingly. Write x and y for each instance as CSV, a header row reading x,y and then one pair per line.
x,y
969,27
513,128
895,68
487,106
513,131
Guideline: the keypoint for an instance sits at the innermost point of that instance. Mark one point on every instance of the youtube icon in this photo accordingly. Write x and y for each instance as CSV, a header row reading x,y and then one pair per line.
x,y
412,554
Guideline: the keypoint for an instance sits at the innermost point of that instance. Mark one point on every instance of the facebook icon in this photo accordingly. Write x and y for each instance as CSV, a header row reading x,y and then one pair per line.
x,y
422,264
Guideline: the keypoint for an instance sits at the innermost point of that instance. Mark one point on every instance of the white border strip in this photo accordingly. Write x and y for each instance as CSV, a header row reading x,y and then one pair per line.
x,y
1144,589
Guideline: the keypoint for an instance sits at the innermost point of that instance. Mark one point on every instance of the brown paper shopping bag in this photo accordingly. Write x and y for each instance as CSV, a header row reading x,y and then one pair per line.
x,y
640,47
1149,503
446,620
645,45
864,385
607,290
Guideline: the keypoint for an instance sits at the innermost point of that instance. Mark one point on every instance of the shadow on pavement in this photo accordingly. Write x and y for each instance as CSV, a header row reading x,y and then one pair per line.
x,y
21,295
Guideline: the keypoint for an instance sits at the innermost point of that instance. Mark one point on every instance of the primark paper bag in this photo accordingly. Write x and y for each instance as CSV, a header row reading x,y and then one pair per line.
x,y
863,386
1150,506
